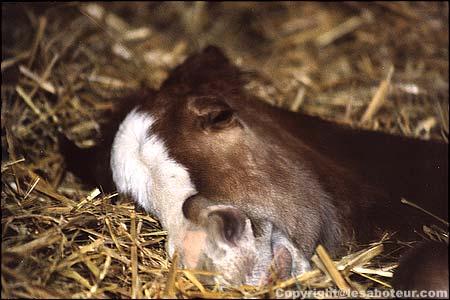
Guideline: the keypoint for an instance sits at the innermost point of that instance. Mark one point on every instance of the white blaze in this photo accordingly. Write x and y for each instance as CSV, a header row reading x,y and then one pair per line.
x,y
141,167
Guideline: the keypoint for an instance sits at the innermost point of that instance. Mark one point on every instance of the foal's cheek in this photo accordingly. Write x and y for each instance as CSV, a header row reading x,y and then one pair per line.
x,y
192,247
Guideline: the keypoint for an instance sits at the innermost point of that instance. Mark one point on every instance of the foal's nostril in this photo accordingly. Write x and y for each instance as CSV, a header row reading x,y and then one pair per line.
x,y
186,205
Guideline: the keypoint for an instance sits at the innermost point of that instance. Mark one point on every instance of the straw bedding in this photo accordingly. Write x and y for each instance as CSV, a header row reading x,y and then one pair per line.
x,y
382,66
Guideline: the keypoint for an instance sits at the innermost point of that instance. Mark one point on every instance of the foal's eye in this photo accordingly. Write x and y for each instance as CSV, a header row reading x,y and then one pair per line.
x,y
213,112
220,119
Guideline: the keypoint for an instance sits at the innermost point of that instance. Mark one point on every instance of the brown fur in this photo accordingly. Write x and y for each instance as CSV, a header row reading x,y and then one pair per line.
x,y
423,267
313,180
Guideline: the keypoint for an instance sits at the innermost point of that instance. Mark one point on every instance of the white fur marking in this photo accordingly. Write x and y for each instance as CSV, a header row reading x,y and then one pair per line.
x,y
141,166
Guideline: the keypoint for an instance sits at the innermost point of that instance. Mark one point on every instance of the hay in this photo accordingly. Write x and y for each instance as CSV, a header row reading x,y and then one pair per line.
x,y
65,65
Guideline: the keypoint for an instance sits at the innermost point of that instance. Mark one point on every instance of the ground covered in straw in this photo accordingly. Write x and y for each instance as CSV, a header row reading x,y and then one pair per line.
x,y
383,66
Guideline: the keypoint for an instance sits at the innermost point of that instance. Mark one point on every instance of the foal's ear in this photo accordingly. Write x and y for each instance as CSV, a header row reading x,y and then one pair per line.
x,y
210,57
214,54
206,66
